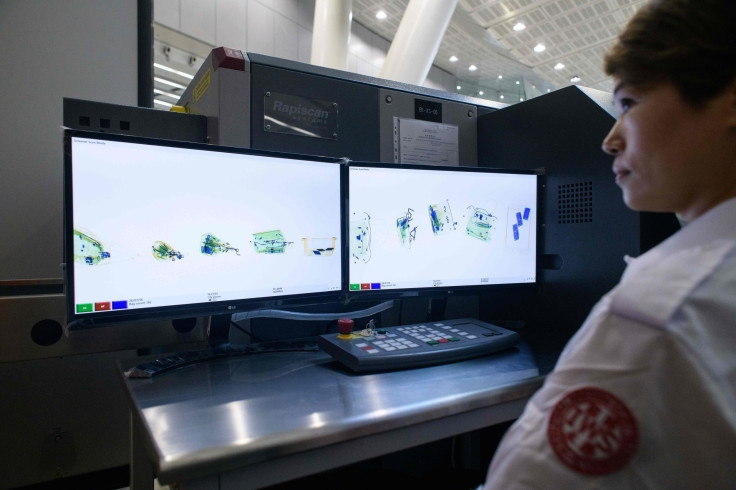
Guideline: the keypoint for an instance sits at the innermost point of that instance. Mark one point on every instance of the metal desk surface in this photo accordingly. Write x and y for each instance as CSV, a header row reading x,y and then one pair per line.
x,y
220,415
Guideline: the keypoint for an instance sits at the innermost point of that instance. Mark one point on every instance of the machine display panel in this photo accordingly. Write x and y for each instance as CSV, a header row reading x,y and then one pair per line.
x,y
166,228
415,228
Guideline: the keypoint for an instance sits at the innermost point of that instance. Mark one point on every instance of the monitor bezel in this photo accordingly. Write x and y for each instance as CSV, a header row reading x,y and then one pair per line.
x,y
440,292
187,310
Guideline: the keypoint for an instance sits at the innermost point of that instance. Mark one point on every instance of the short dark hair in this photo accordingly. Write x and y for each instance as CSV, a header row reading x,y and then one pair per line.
x,y
689,43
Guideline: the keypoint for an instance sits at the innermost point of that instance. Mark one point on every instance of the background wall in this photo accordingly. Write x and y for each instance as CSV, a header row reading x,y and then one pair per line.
x,y
281,28
51,50
60,416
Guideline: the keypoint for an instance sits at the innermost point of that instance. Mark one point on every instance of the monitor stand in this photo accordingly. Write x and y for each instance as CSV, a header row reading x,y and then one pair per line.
x,y
218,332
436,309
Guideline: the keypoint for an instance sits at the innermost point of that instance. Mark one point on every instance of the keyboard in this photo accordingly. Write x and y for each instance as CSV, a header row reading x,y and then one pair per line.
x,y
417,345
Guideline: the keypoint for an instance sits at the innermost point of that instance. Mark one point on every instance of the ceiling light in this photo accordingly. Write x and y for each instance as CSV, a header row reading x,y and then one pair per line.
x,y
472,68
500,77
166,68
167,94
539,48
519,27
453,58
380,15
501,96
517,82
521,99
480,93
575,79
169,83
559,66
459,87
161,102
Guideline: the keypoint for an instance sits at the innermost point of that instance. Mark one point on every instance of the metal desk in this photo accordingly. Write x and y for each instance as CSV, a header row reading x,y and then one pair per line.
x,y
263,419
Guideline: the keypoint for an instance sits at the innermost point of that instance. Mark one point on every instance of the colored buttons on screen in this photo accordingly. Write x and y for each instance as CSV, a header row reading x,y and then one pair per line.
x,y
119,305
365,286
103,306
85,308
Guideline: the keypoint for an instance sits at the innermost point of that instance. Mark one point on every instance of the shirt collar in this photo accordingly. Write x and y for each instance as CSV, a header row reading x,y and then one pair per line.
x,y
717,223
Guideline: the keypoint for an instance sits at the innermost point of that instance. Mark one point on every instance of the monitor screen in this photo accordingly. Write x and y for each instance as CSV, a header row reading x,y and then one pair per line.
x,y
167,228
415,228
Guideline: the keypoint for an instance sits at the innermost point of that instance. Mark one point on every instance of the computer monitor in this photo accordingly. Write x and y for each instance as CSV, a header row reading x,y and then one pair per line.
x,y
432,230
160,228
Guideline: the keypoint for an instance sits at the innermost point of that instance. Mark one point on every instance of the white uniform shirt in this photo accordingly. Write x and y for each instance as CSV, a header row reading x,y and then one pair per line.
x,y
644,394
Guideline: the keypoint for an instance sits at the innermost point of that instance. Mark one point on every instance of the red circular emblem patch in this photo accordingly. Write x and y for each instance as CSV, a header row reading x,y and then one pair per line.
x,y
592,431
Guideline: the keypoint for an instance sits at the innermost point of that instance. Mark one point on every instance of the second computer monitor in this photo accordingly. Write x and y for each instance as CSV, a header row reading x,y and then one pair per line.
x,y
421,229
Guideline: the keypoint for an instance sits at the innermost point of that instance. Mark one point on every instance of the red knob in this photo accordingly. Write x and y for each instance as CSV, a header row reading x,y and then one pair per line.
x,y
345,326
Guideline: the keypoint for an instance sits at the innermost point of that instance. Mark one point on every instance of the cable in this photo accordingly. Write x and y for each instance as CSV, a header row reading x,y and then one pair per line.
x,y
294,315
246,332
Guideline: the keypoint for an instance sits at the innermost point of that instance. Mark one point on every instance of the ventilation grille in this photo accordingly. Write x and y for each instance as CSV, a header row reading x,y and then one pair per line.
x,y
575,203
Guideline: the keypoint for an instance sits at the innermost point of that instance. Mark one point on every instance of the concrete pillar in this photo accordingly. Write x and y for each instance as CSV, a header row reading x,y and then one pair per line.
x,y
331,33
417,40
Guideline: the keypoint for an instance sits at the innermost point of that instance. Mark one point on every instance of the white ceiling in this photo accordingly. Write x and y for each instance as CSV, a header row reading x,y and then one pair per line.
x,y
576,33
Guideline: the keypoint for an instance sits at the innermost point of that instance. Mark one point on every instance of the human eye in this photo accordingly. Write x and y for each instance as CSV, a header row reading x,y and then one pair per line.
x,y
624,104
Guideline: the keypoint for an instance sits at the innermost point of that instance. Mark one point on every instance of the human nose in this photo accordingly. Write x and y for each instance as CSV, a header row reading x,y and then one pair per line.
x,y
613,143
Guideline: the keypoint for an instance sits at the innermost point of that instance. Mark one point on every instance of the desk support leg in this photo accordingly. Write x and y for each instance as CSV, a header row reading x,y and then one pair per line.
x,y
141,470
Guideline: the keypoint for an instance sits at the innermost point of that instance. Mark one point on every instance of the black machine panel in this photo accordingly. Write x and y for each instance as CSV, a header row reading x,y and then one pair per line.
x,y
88,115
313,104
586,229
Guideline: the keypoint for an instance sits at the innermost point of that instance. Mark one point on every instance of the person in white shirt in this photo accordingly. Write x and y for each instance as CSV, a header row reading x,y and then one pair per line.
x,y
644,394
